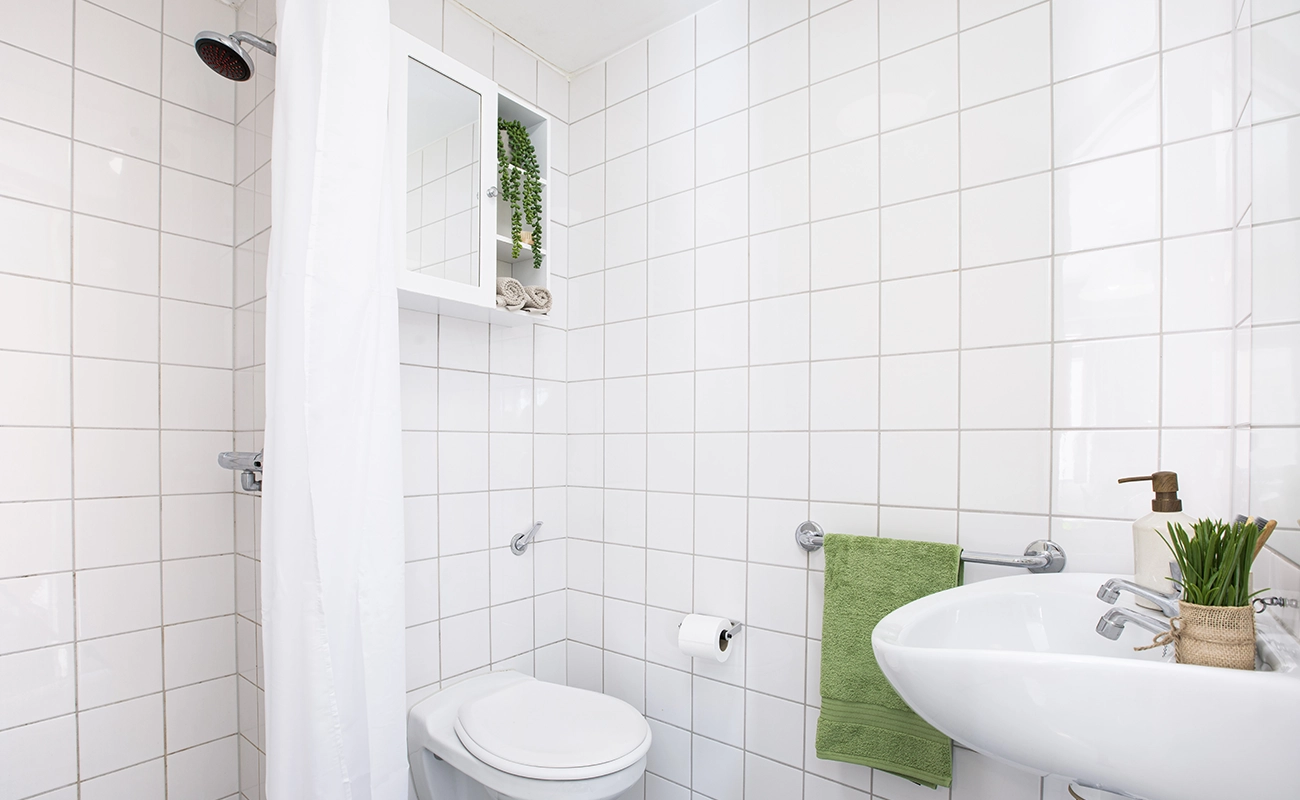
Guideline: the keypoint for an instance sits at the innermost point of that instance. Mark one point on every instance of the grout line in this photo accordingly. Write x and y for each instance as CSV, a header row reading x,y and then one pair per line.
x,y
72,421
961,300
1051,283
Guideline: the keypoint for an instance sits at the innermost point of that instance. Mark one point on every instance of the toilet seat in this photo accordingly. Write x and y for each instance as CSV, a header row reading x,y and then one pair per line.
x,y
550,732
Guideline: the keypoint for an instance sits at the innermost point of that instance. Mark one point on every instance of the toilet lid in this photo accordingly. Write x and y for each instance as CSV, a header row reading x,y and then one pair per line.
x,y
543,730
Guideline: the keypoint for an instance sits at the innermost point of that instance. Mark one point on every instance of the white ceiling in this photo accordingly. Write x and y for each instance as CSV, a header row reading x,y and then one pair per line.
x,y
572,34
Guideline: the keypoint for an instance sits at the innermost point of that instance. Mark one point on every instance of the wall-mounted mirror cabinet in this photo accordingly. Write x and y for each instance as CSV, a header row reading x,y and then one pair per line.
x,y
455,225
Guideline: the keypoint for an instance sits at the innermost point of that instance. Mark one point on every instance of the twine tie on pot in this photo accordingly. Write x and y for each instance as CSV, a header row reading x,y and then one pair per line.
x,y
1163,639
1211,636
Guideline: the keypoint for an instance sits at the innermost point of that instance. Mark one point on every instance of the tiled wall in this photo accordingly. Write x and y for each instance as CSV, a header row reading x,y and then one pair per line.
x,y
253,114
1269,165
117,626
940,270
483,413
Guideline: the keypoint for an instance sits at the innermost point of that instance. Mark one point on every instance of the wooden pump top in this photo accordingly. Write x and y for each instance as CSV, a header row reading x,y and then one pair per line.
x,y
1166,488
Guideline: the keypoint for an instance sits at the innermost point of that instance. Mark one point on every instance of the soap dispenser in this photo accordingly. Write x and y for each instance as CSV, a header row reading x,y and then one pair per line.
x,y
1151,556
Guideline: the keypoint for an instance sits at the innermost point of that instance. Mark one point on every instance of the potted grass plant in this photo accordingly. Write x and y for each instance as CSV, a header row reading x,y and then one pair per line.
x,y
1215,626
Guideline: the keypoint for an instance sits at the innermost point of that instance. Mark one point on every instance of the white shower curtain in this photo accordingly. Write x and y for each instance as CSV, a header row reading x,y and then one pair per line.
x,y
332,547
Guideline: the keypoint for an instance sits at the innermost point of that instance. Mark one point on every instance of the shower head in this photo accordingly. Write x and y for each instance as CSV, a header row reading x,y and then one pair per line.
x,y
226,55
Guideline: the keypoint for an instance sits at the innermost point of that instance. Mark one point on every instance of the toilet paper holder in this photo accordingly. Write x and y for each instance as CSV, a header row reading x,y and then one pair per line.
x,y
729,633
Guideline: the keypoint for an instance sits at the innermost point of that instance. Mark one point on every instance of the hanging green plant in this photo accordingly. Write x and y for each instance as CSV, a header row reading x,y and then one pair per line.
x,y
521,185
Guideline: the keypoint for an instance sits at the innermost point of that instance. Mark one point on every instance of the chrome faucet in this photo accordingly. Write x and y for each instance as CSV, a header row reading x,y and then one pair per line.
x,y
1112,623
1167,603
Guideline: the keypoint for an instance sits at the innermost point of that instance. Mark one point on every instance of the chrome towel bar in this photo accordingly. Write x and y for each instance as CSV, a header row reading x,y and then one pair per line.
x,y
1040,556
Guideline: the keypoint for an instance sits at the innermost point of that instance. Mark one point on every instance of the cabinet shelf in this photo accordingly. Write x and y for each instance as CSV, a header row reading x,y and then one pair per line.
x,y
504,247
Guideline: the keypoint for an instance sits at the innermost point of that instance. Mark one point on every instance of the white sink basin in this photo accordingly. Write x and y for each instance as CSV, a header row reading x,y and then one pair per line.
x,y
1014,668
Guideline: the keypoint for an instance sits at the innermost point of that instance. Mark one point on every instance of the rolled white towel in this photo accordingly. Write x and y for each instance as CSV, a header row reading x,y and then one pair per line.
x,y
539,299
513,293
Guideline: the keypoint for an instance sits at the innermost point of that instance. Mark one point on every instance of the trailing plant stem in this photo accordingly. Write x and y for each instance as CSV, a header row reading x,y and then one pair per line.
x,y
521,186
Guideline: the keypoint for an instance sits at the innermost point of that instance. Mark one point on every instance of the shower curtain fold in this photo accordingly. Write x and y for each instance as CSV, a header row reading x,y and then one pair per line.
x,y
332,543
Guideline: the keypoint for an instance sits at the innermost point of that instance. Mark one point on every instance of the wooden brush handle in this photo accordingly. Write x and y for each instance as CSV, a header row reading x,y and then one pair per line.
x,y
1263,537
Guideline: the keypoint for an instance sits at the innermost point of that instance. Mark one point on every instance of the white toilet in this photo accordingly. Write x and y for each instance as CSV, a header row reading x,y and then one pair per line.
x,y
506,736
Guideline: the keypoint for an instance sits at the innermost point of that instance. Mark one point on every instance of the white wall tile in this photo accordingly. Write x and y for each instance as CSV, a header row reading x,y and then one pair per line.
x,y
1112,383
1008,56
920,237
47,255
1274,57
37,538
117,736
1006,387
919,161
841,39
37,390
918,85
720,211
918,468
1198,283
1197,92
43,99
38,684
117,48
778,129
1274,183
1004,305
200,713
919,314
1198,177
720,88
625,126
846,107
671,51
1006,221
905,25
47,31
1274,384
1107,112
35,165
119,187
1087,36
197,143
1108,293
1115,201
1005,471
116,531
721,28
46,473
1007,138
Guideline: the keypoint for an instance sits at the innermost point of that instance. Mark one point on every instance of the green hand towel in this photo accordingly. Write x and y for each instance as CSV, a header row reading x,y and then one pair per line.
x,y
863,720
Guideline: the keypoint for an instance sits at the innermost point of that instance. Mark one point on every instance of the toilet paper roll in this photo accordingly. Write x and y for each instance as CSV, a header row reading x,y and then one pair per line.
x,y
705,637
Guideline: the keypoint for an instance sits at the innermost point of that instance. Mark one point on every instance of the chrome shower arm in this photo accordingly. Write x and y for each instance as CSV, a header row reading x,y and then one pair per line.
x,y
245,37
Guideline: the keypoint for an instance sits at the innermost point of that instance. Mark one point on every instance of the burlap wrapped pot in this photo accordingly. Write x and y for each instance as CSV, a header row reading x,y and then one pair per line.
x,y
1214,636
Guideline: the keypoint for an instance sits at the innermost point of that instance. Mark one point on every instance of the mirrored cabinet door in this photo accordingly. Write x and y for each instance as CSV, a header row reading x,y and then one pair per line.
x,y
438,114
443,148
